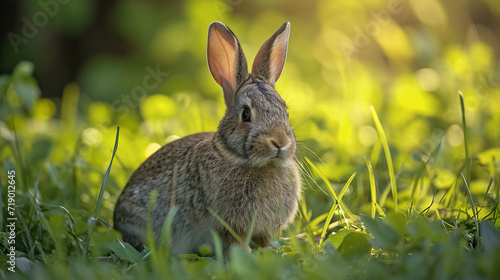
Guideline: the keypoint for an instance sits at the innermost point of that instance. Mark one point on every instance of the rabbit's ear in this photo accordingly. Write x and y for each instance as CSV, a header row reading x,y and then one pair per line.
x,y
271,57
226,60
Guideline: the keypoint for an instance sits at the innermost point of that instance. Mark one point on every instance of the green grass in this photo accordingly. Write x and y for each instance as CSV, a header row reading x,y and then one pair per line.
x,y
388,157
92,220
348,228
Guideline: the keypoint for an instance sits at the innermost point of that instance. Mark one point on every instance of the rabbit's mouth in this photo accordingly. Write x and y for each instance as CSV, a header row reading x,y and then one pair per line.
x,y
280,161
276,150
276,161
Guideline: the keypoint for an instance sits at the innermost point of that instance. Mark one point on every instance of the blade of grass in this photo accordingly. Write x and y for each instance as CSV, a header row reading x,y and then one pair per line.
x,y
474,212
219,252
332,225
385,193
226,226
344,209
449,198
388,157
21,161
431,170
149,223
316,221
158,262
46,226
92,220
379,209
466,137
252,227
164,252
308,177
74,190
428,208
498,186
373,187
375,154
334,207
323,178
305,213
37,207
488,188
27,232
418,177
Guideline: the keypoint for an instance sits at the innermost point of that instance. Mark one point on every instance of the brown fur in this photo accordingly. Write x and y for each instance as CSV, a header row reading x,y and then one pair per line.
x,y
246,168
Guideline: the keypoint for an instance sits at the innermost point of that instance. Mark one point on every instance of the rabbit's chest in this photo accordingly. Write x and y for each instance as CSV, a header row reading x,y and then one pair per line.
x,y
268,197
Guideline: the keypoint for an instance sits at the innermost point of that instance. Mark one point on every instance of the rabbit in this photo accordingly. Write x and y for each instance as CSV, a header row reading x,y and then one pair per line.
x,y
246,169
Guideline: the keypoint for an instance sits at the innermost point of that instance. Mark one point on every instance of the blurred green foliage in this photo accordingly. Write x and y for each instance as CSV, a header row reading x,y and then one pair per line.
x,y
406,58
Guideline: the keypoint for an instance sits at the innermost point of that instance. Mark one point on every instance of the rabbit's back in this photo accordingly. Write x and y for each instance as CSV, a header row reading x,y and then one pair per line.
x,y
163,171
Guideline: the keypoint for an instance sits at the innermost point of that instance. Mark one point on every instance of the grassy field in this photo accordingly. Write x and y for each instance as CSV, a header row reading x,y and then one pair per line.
x,y
397,128
387,220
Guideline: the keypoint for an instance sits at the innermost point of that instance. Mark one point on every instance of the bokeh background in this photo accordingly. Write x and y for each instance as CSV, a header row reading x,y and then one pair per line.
x,y
73,70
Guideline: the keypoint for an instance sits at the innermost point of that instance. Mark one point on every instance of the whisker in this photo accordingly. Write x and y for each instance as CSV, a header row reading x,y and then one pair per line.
x,y
315,156
297,125
307,174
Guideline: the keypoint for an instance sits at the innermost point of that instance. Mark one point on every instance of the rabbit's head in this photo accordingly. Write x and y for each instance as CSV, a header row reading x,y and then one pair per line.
x,y
255,129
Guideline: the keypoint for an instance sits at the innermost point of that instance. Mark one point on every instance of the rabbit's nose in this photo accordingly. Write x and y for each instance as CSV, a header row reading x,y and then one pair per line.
x,y
276,144
282,142
281,145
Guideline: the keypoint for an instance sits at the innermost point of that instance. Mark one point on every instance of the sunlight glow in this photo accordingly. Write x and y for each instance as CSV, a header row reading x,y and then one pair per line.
x,y
153,147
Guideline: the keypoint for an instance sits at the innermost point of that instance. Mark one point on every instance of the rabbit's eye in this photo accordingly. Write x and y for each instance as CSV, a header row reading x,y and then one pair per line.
x,y
246,115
